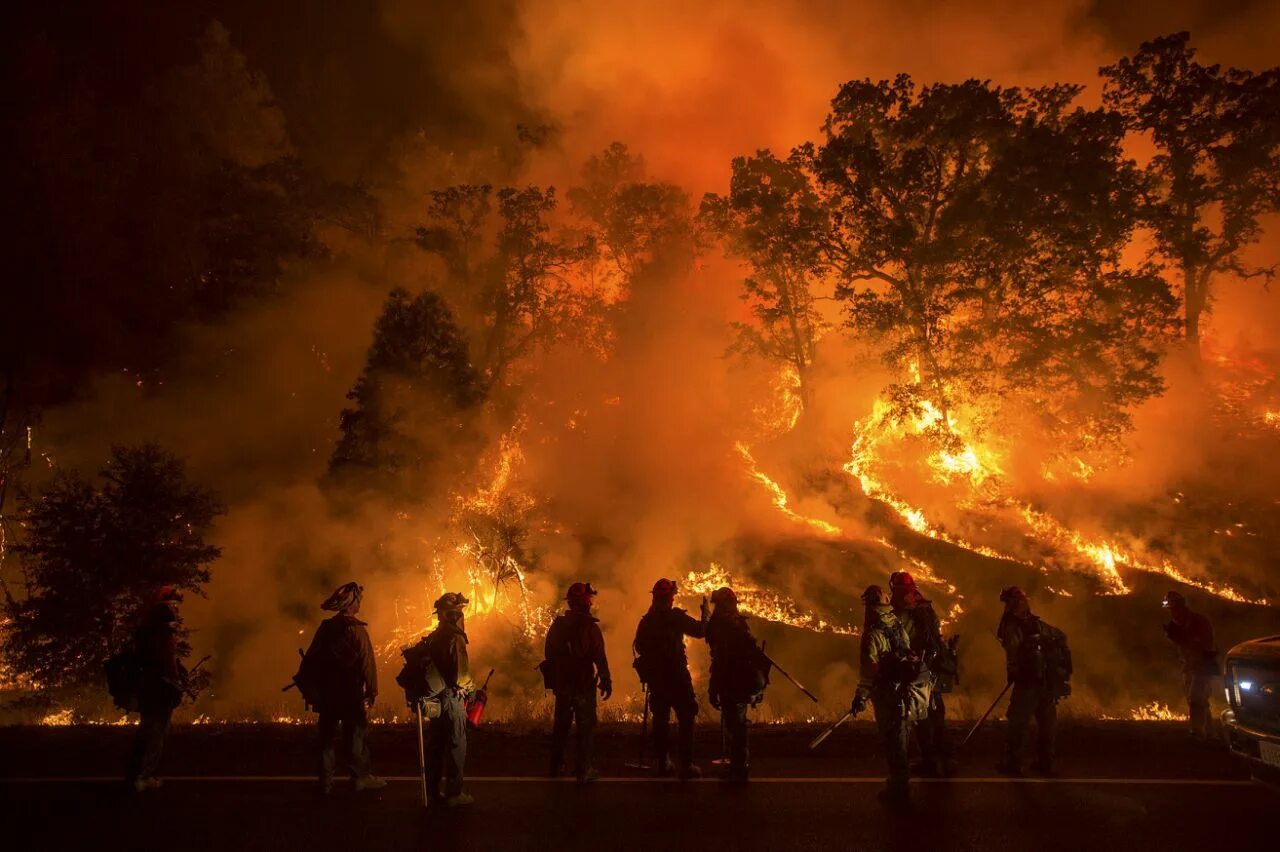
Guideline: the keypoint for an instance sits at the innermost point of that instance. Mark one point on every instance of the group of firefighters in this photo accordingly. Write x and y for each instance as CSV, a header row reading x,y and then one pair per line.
x,y
906,669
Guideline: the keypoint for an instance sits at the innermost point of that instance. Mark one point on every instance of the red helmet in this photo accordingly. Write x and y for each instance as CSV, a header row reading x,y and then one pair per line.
x,y
1012,593
580,593
165,594
901,580
665,588
724,594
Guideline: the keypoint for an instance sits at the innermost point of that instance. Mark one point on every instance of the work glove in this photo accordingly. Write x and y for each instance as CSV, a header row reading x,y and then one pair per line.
x,y
606,689
705,608
859,703
715,701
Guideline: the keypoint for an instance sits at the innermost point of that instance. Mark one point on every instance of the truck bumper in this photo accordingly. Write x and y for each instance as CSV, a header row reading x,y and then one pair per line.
x,y
1257,750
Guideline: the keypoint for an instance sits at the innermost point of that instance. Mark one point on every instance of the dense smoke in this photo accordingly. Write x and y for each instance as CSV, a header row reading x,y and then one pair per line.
x,y
629,456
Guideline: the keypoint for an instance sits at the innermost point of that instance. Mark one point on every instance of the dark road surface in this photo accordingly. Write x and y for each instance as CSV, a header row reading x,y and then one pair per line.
x,y
616,815
1125,787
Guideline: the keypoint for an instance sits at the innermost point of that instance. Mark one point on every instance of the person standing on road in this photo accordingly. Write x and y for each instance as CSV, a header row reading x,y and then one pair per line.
x,y
738,676
925,634
446,748
161,680
664,669
575,667
339,680
1038,664
895,683
1192,633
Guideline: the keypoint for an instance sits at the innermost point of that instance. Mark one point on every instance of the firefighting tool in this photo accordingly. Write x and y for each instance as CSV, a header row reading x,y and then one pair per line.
x,y
1007,687
822,737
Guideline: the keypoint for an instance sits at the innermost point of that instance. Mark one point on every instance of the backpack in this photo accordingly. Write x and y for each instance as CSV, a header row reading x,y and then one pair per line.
x,y
1056,655
419,677
911,678
124,677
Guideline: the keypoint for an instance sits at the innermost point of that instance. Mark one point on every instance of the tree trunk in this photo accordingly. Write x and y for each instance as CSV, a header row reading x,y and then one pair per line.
x,y
1195,287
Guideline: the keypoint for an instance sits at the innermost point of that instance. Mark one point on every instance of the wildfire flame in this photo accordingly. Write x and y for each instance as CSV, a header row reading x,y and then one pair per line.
x,y
761,603
779,496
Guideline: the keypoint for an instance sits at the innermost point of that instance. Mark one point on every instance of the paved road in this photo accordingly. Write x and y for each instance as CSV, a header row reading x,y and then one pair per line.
x,y
515,814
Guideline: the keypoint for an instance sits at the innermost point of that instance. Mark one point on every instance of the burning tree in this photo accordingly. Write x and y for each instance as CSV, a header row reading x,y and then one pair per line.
x,y
1216,169
978,233
92,555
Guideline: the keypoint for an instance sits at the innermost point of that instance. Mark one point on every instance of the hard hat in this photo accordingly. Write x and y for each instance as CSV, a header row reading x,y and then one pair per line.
x,y
451,601
873,596
901,580
165,594
1173,599
724,594
1012,593
665,588
343,597
580,592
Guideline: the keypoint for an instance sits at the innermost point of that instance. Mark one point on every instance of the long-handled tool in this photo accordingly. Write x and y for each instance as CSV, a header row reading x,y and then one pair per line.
x,y
422,753
986,714
795,682
644,735
822,737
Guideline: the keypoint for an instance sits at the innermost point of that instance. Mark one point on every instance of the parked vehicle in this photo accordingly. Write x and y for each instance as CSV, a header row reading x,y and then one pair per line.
x,y
1251,723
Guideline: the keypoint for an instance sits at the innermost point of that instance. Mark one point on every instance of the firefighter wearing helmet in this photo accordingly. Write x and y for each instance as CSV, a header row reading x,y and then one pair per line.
x,y
1038,664
894,682
1192,634
160,683
574,668
339,680
446,747
739,675
924,632
664,671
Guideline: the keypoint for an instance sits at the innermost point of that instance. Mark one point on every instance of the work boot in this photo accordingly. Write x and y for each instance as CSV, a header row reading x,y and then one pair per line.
x,y
690,771
588,776
1009,768
665,768
895,796
1043,767
326,785
459,801
369,782
140,785
926,769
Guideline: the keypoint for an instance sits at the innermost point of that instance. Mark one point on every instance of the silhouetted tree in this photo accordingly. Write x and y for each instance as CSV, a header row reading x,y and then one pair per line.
x,y
774,219
510,271
414,403
978,231
632,220
1216,170
93,554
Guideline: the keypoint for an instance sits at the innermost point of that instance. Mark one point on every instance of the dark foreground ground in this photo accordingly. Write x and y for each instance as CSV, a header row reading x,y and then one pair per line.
x,y
1123,786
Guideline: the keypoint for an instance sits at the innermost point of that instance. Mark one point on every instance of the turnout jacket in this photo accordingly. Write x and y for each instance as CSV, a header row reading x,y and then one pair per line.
x,y
339,670
1030,658
738,667
161,675
447,645
575,651
1193,638
659,644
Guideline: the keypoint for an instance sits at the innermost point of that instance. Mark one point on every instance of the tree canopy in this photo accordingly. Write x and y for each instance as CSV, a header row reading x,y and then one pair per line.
x,y
93,554
1216,168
